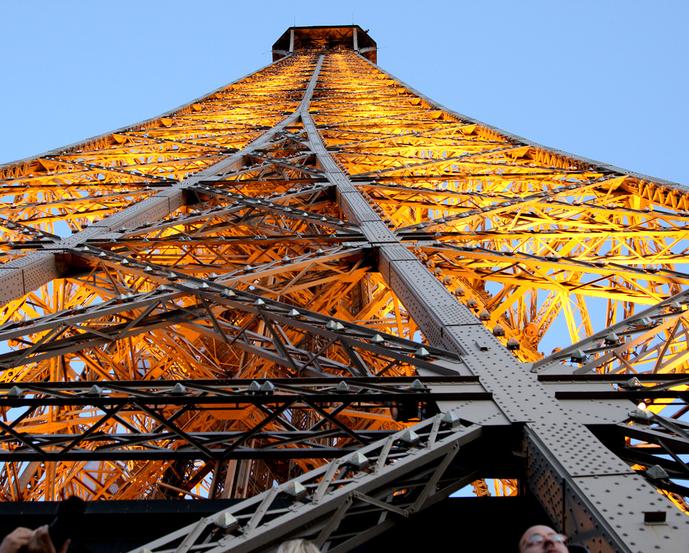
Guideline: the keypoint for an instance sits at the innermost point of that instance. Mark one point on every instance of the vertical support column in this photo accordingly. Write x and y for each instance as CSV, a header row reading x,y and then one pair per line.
x,y
291,41
355,44
28,273
588,489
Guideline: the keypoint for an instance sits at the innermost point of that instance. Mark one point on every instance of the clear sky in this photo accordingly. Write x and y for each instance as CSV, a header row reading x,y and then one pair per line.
x,y
603,79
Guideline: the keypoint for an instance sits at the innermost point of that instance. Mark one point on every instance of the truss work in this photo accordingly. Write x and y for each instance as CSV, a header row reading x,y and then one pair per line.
x,y
318,292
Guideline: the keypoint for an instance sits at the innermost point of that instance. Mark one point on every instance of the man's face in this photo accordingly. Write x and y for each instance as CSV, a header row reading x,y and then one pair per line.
x,y
541,539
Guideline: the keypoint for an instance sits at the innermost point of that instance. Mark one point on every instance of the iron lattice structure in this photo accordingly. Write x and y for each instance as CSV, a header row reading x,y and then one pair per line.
x,y
318,290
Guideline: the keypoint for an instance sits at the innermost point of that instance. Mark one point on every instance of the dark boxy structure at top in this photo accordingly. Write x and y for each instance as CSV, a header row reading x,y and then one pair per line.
x,y
351,37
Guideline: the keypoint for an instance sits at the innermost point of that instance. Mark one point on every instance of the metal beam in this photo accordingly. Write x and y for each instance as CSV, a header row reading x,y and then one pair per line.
x,y
19,277
370,489
581,481
449,324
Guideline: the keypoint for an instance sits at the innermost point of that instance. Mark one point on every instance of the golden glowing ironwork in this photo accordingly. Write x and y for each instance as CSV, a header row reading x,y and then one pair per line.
x,y
546,249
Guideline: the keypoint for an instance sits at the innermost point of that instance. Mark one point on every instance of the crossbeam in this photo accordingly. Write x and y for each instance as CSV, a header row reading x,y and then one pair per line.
x,y
330,290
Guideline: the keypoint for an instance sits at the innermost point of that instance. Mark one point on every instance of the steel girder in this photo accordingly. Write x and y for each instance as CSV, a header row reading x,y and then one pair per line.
x,y
322,219
345,502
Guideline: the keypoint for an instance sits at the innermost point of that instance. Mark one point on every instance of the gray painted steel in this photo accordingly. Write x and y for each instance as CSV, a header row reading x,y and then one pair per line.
x,y
18,277
586,489
608,495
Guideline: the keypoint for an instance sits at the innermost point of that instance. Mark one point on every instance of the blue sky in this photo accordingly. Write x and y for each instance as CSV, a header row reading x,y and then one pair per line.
x,y
603,79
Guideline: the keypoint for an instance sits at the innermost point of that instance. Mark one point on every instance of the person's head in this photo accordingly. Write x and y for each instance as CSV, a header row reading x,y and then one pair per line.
x,y
297,546
542,539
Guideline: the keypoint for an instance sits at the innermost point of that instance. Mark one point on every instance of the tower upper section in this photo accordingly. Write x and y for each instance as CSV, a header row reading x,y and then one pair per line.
x,y
350,37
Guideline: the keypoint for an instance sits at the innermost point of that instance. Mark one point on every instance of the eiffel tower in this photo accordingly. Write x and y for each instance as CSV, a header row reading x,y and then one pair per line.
x,y
318,304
